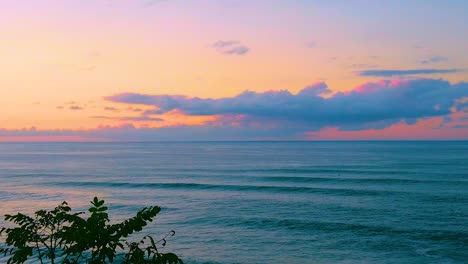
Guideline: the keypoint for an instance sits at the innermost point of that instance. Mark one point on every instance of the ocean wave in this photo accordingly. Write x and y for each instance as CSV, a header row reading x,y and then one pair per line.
x,y
233,187
360,229
301,179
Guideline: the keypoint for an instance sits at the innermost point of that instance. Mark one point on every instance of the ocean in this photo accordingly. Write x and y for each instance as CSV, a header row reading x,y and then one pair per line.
x,y
262,202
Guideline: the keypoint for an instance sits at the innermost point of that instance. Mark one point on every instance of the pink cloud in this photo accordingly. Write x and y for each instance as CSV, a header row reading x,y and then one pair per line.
x,y
423,129
379,85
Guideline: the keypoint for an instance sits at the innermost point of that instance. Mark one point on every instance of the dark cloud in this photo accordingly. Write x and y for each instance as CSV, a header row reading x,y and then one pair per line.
x,y
372,105
433,60
230,47
390,73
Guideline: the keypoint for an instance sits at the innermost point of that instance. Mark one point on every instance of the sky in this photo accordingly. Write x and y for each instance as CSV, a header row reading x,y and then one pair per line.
x,y
177,70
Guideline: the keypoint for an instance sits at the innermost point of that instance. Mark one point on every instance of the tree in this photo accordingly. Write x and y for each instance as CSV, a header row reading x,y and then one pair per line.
x,y
60,236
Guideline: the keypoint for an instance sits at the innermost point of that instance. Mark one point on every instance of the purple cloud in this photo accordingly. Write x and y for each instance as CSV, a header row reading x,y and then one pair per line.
x,y
230,47
225,43
372,105
238,50
435,59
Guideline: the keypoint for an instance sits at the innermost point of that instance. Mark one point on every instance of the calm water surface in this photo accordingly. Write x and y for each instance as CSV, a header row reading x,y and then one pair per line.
x,y
263,202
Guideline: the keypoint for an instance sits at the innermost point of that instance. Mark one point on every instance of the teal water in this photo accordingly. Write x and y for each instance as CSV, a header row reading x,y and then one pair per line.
x,y
263,202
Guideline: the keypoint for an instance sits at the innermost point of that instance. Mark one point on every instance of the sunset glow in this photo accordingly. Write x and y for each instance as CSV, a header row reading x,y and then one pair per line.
x,y
232,70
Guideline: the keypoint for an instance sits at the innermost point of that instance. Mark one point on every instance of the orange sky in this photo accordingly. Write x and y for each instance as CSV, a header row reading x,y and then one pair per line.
x,y
61,58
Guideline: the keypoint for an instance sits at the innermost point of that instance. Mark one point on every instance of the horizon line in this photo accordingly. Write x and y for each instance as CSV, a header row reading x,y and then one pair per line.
x,y
233,141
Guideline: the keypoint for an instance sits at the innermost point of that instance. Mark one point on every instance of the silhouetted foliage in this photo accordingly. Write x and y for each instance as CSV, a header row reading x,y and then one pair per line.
x,y
60,236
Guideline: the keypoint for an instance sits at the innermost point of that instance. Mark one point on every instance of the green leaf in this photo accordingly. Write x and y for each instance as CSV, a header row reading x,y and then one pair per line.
x,y
76,235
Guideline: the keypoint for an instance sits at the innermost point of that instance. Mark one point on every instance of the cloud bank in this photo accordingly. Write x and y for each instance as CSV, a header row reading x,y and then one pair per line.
x,y
372,105
389,109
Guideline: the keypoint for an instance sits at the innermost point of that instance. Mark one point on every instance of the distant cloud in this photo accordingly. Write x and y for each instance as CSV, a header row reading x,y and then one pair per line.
x,y
230,47
225,43
72,105
149,3
130,118
311,44
390,73
435,59
363,65
75,107
240,50
134,109
113,109
331,60
371,105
